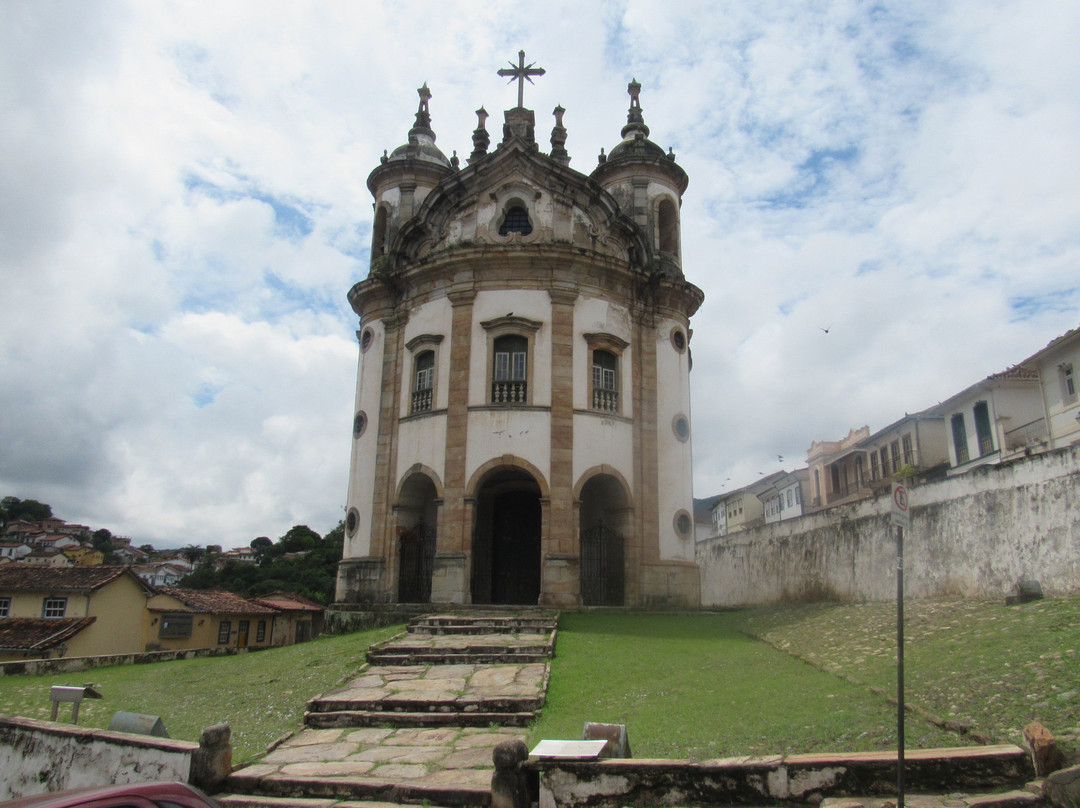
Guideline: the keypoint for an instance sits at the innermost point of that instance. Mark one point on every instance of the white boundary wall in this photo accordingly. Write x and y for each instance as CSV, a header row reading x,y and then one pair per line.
x,y
974,535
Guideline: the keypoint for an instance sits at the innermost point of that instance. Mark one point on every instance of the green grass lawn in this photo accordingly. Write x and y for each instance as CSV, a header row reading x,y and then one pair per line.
x,y
694,686
260,694
761,681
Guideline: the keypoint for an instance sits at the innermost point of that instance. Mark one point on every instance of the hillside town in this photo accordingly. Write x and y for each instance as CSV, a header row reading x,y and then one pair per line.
x,y
67,590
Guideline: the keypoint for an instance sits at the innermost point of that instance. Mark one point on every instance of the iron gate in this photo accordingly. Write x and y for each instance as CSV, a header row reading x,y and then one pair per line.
x,y
417,560
601,567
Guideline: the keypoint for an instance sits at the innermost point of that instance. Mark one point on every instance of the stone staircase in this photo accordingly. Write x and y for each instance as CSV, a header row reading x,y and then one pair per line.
x,y
417,724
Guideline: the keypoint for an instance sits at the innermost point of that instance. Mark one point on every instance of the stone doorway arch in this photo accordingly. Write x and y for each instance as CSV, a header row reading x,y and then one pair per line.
x,y
603,522
507,532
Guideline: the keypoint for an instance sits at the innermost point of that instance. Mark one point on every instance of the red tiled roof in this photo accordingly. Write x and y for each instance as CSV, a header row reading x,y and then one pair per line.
x,y
213,602
1016,372
288,602
31,578
38,634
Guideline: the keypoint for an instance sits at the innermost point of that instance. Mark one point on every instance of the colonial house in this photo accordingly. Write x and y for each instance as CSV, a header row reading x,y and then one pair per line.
x,y
297,620
196,618
990,421
522,405
160,573
70,611
1057,365
86,556
905,448
838,470
741,509
14,550
50,557
783,499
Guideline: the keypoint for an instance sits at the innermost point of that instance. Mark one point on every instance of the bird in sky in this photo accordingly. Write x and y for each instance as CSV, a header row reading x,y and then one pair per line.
x,y
826,330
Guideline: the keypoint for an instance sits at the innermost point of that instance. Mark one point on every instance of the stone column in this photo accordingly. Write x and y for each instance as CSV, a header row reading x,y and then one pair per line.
x,y
383,536
558,540
453,546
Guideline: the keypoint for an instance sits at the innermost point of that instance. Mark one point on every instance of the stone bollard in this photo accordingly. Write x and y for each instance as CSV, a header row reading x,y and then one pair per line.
x,y
509,785
1045,757
212,761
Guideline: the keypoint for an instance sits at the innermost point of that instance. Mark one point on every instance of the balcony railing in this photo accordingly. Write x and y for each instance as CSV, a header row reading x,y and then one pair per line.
x,y
1027,435
421,401
510,392
606,400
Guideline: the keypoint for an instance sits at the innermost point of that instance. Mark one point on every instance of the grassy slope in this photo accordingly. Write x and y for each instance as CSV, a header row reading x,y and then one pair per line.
x,y
692,686
261,695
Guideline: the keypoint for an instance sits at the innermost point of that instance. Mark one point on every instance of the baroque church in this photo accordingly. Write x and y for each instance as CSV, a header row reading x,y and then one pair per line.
x,y
522,428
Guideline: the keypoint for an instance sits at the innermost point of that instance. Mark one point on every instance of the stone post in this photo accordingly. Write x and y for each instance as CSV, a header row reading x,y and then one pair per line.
x,y
509,785
211,763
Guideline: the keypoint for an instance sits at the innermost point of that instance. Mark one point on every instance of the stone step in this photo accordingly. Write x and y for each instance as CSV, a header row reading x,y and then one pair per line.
x,y
335,719
405,655
471,624
1007,799
263,801
419,704
320,792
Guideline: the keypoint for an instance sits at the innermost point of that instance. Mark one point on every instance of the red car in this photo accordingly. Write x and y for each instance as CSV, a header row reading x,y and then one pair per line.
x,y
133,795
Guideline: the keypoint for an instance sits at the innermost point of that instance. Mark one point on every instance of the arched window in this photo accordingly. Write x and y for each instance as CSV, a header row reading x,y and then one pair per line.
x,y
605,387
516,221
509,382
423,381
378,235
668,224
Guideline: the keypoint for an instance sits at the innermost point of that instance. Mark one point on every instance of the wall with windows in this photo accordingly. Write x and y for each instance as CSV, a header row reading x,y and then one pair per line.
x,y
971,536
977,423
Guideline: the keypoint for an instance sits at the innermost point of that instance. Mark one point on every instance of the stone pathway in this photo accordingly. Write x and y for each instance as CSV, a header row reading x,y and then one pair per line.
x,y
421,729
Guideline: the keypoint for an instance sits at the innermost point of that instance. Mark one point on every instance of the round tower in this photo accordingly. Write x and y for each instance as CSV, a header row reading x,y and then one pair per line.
x,y
522,428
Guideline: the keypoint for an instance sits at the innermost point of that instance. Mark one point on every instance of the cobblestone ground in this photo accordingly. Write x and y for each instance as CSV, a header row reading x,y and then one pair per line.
x,y
444,757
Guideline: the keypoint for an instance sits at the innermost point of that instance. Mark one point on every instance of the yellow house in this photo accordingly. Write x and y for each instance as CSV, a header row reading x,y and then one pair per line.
x,y
194,618
48,612
84,556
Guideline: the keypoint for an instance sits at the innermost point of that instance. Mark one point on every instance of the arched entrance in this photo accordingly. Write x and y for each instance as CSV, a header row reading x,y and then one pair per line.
x,y
417,518
603,518
506,538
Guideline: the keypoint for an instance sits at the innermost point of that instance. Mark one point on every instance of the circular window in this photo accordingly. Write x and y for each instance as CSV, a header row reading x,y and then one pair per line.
x,y
359,424
681,427
678,339
351,521
366,339
684,525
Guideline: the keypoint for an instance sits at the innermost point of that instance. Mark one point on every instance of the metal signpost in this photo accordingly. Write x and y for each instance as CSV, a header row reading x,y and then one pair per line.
x,y
901,518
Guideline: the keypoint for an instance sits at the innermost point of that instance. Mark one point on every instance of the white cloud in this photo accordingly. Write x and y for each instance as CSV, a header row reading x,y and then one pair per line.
x,y
188,208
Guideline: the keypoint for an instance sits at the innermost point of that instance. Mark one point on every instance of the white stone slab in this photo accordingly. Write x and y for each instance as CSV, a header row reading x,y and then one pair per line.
x,y
582,750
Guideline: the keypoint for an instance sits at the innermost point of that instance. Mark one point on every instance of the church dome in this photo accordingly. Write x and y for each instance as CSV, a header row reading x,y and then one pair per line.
x,y
636,150
419,152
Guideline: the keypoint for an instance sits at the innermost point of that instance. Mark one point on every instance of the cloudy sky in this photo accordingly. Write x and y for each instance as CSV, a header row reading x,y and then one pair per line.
x,y
183,208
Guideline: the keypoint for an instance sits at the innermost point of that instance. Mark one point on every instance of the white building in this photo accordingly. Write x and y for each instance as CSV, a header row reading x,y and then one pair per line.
x,y
522,429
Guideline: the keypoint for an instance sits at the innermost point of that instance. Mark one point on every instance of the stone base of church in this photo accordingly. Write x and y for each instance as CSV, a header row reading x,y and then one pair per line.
x,y
449,577
670,585
560,581
361,580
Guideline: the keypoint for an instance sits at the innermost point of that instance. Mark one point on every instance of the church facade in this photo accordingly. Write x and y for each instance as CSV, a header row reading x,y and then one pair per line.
x,y
522,430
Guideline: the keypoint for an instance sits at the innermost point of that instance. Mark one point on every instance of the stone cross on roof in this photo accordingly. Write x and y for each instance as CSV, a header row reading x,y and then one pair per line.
x,y
521,73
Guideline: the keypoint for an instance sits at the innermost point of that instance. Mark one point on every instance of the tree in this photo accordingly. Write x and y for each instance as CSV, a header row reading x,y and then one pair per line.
x,y
101,540
12,508
192,553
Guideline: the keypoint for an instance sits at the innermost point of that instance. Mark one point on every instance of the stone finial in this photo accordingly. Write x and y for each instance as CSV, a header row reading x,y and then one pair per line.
x,y
455,162
509,786
558,138
601,158
635,122
480,137
422,124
